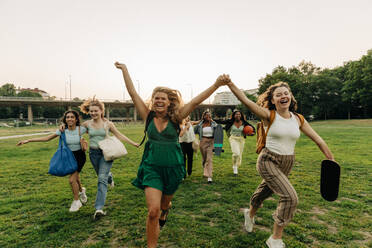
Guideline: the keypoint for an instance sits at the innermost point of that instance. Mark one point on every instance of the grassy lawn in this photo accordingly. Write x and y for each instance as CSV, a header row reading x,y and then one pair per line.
x,y
34,205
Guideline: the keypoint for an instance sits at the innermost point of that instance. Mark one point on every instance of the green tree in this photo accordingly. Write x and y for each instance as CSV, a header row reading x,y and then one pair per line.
x,y
27,93
8,90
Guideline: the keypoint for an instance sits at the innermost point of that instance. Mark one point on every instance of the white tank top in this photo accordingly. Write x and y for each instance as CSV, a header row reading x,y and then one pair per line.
x,y
282,135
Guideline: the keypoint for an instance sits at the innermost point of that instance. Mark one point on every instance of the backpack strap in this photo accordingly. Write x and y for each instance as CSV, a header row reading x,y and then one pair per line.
x,y
149,118
272,117
301,117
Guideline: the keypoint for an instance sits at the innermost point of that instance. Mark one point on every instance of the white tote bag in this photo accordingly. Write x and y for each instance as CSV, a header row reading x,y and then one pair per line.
x,y
111,147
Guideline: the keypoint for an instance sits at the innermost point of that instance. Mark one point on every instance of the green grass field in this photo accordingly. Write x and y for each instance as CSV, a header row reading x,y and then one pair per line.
x,y
34,205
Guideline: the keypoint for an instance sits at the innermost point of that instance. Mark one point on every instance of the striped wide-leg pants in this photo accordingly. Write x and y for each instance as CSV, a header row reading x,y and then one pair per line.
x,y
274,169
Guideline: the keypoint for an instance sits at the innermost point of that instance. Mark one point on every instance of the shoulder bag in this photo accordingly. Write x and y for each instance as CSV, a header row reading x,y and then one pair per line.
x,y
111,147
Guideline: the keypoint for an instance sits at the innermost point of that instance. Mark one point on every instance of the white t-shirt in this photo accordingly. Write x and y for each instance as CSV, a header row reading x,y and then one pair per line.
x,y
282,135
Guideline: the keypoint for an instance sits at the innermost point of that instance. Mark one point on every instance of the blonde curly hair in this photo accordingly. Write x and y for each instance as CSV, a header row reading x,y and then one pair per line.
x,y
264,100
175,99
84,107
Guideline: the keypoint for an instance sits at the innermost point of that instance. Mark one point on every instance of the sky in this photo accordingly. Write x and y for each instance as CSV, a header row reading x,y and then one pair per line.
x,y
184,45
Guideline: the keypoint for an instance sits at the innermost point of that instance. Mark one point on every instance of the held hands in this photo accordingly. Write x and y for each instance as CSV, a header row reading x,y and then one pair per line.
x,y
136,145
223,79
120,66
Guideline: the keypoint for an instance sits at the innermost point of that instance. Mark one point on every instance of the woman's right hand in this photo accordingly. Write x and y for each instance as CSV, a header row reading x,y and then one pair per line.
x,y
22,142
61,128
120,66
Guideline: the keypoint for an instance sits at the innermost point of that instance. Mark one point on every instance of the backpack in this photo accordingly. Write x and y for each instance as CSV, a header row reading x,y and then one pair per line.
x,y
149,118
261,133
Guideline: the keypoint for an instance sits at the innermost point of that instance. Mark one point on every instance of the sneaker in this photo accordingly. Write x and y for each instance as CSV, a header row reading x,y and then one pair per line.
x,y
82,195
75,206
249,222
209,180
235,169
99,213
275,243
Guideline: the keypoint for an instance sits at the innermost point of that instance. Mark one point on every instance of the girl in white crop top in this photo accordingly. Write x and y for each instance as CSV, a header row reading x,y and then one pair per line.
x,y
278,155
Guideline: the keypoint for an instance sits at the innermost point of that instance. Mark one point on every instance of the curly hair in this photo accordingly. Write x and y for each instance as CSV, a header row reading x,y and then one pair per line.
x,y
175,99
75,113
84,107
264,100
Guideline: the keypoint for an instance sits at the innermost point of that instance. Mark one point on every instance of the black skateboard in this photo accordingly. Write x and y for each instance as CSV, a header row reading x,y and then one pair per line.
x,y
329,180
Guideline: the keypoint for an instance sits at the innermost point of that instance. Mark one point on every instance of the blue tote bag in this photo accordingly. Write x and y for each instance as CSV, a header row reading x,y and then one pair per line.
x,y
63,161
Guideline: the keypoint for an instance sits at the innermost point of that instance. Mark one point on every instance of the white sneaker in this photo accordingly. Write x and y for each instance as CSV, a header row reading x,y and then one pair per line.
x,y
75,206
275,243
248,221
82,195
235,169
209,180
99,213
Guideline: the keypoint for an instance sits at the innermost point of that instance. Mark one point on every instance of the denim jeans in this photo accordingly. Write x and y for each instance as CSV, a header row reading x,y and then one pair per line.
x,y
102,168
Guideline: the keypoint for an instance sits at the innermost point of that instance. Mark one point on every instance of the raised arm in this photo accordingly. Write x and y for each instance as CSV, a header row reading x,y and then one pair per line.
x,y
309,131
41,139
261,112
143,110
189,107
121,136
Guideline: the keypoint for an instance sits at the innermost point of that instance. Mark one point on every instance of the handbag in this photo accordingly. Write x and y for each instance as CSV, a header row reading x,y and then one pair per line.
x,y
63,161
83,143
111,147
195,145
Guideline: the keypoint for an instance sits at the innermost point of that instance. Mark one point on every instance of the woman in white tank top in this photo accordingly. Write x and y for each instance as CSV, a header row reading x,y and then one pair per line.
x,y
276,160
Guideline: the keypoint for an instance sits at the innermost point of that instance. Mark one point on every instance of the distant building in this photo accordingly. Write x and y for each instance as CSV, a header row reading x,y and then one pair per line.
x,y
228,98
252,92
44,94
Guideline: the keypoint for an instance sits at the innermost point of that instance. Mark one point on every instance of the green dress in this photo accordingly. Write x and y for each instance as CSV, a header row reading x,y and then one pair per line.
x,y
162,166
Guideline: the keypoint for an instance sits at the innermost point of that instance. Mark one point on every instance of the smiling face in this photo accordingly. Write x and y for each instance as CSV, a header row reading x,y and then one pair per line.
x,y
160,102
281,98
237,116
207,117
95,112
71,120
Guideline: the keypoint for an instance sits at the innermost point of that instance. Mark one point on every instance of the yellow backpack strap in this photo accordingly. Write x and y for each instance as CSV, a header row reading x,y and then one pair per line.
x,y
272,117
302,119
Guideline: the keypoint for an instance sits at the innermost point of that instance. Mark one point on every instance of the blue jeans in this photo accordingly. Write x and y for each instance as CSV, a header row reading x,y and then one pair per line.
x,y
102,168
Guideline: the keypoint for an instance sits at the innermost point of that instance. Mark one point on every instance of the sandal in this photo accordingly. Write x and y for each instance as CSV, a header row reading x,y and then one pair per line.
x,y
164,214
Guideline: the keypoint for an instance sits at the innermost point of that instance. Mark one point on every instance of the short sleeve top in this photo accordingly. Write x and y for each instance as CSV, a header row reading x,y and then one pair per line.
x,y
73,137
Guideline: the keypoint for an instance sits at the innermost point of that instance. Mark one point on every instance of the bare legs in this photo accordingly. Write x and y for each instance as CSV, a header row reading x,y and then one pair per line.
x,y
155,201
75,184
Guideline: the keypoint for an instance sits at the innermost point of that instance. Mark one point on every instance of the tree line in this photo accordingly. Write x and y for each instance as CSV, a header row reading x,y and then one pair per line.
x,y
343,92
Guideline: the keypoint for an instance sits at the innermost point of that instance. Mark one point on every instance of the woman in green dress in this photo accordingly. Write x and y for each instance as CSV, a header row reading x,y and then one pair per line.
x,y
162,166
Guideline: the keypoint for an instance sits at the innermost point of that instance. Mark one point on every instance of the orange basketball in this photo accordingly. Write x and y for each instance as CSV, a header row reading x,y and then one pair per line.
x,y
248,130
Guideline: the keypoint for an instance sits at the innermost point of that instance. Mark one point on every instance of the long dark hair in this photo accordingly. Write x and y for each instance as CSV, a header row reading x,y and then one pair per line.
x,y
231,121
75,113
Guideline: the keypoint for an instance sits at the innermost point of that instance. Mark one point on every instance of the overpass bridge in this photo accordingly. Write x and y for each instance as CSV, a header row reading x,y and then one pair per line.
x,y
109,104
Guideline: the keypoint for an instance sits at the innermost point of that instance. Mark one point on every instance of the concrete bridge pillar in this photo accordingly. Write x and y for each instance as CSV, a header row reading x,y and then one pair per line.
x,y
30,117
135,114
